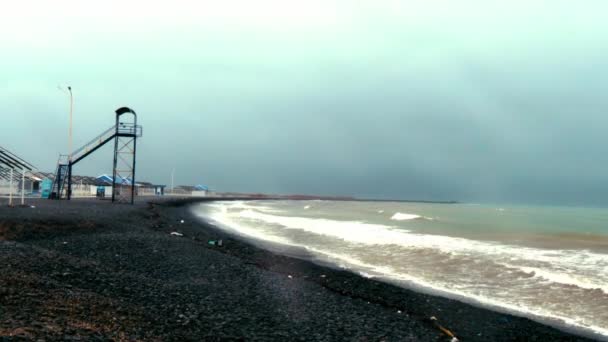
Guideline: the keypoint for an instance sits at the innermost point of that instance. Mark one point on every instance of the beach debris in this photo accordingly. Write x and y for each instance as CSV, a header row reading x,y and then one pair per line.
x,y
182,221
444,330
323,276
290,276
33,206
176,234
380,211
398,311
307,207
218,243
65,242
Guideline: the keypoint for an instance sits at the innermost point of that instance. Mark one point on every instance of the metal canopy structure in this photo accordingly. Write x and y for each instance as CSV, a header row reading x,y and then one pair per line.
x,y
10,161
124,133
14,170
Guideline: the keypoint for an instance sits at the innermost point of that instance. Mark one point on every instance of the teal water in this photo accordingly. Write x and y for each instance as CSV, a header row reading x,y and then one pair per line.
x,y
520,259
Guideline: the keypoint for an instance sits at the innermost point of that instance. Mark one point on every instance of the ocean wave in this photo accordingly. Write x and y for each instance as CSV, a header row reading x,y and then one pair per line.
x,y
379,234
354,231
537,268
375,271
405,217
226,221
240,205
561,277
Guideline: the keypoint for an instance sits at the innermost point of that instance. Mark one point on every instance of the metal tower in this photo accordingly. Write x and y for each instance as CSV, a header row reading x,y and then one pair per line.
x,y
124,133
125,148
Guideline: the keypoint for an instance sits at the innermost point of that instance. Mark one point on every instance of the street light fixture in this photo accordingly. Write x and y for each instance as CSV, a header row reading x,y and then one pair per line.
x,y
70,129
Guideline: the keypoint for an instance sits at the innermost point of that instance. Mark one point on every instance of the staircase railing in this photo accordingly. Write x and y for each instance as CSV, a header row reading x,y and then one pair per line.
x,y
94,142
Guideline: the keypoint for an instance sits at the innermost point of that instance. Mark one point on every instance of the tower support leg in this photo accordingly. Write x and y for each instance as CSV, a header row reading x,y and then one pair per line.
x,y
69,189
123,188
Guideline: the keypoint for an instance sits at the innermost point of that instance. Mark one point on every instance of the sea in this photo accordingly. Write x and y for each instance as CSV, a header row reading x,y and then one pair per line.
x,y
546,263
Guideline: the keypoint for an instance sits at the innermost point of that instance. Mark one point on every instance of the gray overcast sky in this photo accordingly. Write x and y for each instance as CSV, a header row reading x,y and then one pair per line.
x,y
472,100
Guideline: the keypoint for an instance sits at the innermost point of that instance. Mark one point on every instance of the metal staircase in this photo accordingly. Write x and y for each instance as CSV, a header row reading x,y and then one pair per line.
x,y
58,188
94,144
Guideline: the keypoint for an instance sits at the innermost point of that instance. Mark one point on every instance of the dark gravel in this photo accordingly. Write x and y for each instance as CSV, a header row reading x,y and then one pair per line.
x,y
90,270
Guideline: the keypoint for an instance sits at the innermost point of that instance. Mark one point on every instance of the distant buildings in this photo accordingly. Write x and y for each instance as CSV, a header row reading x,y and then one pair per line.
x,y
18,176
188,190
39,184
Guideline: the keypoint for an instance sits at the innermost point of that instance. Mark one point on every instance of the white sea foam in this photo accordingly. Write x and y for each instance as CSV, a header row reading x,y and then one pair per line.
x,y
406,217
353,231
563,277
403,217
222,217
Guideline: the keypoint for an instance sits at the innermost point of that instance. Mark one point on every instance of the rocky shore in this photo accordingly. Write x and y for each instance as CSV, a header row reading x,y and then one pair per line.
x,y
90,270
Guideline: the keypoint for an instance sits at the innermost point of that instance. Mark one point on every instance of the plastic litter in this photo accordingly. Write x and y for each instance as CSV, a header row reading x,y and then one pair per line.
x,y
182,221
177,234
289,276
211,242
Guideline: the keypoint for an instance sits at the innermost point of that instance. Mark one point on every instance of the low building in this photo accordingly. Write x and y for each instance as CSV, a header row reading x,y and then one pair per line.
x,y
149,189
200,190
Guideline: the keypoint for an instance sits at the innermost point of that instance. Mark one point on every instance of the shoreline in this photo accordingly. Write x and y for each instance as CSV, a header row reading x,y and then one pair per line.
x,y
90,269
408,286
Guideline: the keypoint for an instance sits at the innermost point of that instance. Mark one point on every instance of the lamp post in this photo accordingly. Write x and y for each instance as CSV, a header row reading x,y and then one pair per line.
x,y
172,172
70,128
70,134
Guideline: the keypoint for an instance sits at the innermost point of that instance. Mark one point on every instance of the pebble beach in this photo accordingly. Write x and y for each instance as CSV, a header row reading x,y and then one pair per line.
x,y
89,270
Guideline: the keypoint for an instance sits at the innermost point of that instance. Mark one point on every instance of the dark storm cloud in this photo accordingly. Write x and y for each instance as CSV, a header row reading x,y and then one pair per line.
x,y
475,103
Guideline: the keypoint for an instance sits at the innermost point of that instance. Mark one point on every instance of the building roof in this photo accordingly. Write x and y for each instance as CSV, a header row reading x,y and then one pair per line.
x,y
107,180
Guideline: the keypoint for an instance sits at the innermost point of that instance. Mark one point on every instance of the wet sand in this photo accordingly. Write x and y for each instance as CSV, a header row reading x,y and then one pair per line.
x,y
87,269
